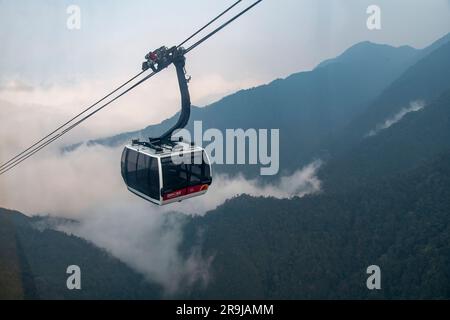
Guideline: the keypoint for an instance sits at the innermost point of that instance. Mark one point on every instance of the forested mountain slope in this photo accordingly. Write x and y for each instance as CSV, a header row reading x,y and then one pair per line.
x,y
35,261
320,246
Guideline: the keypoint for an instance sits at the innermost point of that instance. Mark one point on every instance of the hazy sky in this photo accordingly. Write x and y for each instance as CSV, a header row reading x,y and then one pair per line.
x,y
275,39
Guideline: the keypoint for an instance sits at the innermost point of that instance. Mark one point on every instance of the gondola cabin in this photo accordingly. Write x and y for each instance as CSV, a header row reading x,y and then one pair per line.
x,y
157,176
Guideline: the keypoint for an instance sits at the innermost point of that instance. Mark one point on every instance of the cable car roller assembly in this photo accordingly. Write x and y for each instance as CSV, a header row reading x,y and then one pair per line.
x,y
146,166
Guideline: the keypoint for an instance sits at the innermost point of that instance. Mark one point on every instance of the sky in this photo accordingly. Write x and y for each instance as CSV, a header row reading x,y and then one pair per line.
x,y
48,73
69,69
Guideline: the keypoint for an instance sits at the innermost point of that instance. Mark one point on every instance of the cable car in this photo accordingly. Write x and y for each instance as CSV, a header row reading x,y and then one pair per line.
x,y
161,170
156,176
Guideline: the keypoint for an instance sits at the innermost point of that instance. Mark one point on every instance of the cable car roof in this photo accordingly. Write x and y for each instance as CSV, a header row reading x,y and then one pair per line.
x,y
166,149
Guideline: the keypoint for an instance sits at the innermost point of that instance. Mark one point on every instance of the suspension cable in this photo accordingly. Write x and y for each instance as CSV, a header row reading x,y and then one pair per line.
x,y
29,154
39,145
209,35
209,23
69,121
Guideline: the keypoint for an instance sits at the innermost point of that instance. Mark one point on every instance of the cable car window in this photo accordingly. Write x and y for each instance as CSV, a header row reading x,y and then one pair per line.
x,y
131,168
122,164
143,167
154,179
196,175
199,169
174,175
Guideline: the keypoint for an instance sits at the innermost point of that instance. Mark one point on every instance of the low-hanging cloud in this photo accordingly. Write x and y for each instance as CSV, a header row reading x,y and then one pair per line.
x,y
414,106
299,183
15,86
146,238
40,109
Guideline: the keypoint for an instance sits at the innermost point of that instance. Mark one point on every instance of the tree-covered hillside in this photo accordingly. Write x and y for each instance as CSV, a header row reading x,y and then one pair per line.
x,y
417,137
424,82
34,261
320,246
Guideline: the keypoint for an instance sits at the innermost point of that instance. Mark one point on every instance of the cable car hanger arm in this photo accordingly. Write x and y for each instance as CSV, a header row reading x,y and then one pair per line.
x,y
179,64
163,58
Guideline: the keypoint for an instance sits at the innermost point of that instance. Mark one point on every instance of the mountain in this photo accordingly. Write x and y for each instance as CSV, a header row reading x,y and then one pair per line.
x,y
366,51
360,154
385,199
423,82
434,46
10,278
307,107
319,247
417,137
33,263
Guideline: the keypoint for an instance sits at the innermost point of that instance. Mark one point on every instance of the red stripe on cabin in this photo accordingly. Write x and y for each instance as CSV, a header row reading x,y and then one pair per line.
x,y
185,191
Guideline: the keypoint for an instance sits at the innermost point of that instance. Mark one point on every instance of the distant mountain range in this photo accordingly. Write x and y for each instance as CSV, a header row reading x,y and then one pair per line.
x,y
416,138
385,197
426,80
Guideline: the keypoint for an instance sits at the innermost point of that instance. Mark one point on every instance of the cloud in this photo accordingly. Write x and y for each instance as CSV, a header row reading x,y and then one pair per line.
x,y
301,182
147,239
414,106
46,107
16,86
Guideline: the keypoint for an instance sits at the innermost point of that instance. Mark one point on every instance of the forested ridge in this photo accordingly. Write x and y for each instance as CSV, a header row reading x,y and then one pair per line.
x,y
320,246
